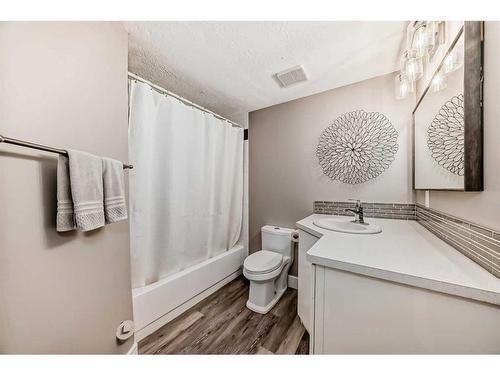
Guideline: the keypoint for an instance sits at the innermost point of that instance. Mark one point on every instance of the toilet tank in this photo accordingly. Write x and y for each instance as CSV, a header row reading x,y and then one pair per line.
x,y
277,239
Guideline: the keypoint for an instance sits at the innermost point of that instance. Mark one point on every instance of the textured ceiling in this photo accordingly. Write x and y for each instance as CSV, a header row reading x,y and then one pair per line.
x,y
228,67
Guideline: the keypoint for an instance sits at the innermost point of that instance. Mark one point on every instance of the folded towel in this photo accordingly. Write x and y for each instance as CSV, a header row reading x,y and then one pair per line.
x,y
115,208
65,213
85,171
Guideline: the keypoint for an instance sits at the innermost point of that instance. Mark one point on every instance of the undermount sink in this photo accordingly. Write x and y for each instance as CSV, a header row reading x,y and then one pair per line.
x,y
347,226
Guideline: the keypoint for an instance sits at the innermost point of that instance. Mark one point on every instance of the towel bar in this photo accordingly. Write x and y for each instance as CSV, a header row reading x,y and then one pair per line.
x,y
37,146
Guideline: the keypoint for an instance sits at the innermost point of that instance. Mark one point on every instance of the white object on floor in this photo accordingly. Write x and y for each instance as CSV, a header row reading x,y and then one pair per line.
x,y
125,330
293,282
267,269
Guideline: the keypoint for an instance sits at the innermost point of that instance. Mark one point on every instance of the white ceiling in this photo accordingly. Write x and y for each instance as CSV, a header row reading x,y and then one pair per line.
x,y
228,67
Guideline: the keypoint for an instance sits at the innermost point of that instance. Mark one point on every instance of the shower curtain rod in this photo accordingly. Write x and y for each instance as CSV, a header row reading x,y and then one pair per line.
x,y
161,90
38,146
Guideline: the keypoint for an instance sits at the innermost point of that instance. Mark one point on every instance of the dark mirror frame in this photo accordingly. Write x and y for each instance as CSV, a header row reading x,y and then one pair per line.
x,y
473,32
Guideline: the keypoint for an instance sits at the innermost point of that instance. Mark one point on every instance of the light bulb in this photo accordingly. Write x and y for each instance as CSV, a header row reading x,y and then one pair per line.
x,y
403,86
438,82
431,31
452,61
420,41
414,69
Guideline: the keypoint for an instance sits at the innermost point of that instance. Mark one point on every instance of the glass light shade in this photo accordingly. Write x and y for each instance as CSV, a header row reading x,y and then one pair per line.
x,y
431,30
413,69
420,38
438,82
420,41
453,61
403,86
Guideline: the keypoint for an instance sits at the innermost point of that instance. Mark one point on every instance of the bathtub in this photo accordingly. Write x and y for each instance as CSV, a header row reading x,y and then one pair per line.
x,y
157,304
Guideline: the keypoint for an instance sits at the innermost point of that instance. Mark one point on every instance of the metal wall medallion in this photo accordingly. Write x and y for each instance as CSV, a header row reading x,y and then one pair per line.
x,y
357,147
446,136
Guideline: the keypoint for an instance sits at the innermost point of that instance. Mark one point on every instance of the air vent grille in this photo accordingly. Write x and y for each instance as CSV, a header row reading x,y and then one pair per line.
x,y
291,76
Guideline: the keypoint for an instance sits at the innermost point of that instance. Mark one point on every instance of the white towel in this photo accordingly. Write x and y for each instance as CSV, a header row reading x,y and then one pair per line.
x,y
115,208
65,213
86,180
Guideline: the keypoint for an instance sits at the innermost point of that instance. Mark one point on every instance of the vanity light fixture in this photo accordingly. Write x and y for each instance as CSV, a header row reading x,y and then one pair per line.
x,y
423,38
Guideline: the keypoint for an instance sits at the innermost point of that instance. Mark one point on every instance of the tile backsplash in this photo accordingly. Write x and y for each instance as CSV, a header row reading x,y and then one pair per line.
x,y
403,211
478,243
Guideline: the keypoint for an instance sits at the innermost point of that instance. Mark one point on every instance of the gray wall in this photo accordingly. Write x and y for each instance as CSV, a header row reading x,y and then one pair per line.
x,y
62,84
481,207
285,177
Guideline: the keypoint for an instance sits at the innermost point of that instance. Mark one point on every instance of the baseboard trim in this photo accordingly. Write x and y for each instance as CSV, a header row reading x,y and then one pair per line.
x,y
134,349
293,282
160,322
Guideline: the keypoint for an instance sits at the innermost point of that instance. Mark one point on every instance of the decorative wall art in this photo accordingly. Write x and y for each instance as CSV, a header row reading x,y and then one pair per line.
x,y
357,147
447,120
446,136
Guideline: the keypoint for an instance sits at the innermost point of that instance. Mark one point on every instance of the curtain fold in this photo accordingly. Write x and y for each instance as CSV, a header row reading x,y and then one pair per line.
x,y
186,188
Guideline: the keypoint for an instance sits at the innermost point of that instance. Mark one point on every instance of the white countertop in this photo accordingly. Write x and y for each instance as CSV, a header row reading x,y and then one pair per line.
x,y
405,252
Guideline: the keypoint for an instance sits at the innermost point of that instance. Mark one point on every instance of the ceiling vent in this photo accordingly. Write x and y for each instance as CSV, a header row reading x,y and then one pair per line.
x,y
291,76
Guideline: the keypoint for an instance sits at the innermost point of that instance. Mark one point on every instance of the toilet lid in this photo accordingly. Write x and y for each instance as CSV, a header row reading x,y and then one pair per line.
x,y
263,261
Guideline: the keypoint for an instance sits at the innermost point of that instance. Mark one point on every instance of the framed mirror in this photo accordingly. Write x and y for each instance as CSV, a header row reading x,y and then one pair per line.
x,y
448,118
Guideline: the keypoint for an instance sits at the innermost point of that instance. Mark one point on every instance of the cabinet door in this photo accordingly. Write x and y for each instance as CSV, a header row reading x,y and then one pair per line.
x,y
305,292
356,314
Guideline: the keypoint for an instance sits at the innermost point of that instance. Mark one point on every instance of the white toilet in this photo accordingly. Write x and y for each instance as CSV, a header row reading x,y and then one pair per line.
x,y
267,269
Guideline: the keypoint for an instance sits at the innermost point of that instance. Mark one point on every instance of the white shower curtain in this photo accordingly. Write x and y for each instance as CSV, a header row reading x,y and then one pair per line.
x,y
186,188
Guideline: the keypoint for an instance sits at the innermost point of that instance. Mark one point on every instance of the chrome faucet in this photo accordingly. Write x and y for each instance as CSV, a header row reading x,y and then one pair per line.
x,y
358,212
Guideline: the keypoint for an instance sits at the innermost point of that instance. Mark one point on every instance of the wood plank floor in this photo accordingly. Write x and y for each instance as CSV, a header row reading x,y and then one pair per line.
x,y
222,324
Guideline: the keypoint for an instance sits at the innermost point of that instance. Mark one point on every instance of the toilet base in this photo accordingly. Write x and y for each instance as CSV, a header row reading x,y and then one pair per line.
x,y
265,309
264,294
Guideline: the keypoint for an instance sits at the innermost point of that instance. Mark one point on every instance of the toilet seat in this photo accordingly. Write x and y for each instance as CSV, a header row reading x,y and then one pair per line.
x,y
262,262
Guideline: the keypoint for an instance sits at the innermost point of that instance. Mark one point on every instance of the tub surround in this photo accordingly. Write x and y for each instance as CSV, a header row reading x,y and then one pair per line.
x,y
405,252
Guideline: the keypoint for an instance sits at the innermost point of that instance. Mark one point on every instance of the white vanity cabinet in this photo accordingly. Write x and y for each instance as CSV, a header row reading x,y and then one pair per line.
x,y
356,314
403,291
305,286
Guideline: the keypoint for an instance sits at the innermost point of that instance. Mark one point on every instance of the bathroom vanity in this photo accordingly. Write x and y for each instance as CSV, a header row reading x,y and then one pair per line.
x,y
399,291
